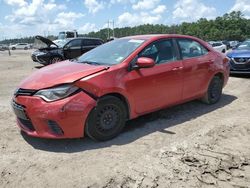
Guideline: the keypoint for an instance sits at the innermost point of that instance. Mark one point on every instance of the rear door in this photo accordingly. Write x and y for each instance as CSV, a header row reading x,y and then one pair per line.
x,y
158,86
196,61
73,49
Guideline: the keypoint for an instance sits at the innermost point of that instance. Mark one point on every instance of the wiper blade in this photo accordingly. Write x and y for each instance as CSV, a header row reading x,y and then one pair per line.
x,y
91,62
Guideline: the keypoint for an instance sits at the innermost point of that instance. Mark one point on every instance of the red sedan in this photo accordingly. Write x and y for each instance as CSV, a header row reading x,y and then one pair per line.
x,y
98,92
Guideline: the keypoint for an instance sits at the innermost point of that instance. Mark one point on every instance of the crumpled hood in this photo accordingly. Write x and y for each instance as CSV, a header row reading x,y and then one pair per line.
x,y
59,73
239,53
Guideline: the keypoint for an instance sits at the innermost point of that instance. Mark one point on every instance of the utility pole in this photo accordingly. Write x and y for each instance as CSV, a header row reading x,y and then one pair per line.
x,y
108,29
111,23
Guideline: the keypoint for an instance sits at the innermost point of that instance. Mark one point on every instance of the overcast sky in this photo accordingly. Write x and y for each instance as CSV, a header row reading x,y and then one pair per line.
x,y
20,18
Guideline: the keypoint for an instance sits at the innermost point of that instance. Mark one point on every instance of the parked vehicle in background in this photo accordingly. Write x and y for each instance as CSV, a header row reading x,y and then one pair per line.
x,y
233,44
227,43
98,92
60,50
23,46
3,47
218,46
64,35
67,35
240,58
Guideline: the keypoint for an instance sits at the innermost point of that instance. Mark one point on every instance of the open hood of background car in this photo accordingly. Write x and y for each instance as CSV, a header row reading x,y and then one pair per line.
x,y
45,40
59,73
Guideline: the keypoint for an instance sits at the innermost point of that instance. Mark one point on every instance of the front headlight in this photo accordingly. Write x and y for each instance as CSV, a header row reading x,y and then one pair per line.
x,y
56,93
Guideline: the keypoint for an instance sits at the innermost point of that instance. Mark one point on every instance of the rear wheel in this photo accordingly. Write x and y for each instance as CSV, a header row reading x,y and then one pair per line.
x,y
106,120
214,91
55,59
13,48
25,48
223,51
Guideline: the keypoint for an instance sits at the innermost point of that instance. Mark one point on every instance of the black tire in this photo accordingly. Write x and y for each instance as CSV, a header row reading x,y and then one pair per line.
x,y
214,91
55,59
25,48
13,48
223,51
107,119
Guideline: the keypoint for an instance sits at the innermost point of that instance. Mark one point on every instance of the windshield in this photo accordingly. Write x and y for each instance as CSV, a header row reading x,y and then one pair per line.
x,y
60,43
244,46
216,44
111,53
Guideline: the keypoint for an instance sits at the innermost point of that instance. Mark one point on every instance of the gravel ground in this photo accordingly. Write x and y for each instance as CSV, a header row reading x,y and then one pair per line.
x,y
189,145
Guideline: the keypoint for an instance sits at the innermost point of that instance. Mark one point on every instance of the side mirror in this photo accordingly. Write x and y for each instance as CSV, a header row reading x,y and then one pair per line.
x,y
145,62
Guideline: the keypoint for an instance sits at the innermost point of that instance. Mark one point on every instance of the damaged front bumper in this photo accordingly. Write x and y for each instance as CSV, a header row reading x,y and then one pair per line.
x,y
59,119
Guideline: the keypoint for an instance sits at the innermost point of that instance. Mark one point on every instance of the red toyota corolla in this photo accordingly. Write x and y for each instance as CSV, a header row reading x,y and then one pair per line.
x,y
95,94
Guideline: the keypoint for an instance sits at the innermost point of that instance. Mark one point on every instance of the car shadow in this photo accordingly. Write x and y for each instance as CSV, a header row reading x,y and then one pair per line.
x,y
39,66
240,75
135,129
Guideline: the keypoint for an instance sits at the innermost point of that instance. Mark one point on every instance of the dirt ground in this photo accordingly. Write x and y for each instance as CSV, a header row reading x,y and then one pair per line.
x,y
190,145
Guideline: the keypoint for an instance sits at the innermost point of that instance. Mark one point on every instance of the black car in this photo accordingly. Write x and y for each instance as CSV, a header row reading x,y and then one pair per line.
x,y
63,49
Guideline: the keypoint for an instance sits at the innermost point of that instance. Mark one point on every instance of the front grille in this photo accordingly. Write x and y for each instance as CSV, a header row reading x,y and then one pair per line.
x,y
25,92
17,106
26,124
241,60
239,66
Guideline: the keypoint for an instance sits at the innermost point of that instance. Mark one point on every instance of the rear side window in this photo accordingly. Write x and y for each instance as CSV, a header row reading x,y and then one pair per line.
x,y
190,48
88,42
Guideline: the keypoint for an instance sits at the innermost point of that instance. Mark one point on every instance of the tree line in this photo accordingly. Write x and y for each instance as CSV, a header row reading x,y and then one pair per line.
x,y
230,26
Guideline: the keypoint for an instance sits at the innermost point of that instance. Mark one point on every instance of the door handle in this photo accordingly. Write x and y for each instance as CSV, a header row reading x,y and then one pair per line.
x,y
177,68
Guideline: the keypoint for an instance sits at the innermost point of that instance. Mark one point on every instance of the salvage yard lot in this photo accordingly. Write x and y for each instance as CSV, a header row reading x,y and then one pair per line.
x,y
190,145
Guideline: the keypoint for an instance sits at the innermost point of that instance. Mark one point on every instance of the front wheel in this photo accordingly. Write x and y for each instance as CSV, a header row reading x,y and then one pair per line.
x,y
107,119
214,91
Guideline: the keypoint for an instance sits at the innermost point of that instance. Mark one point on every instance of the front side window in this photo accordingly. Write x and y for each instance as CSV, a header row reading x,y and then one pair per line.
x,y
190,48
161,52
74,43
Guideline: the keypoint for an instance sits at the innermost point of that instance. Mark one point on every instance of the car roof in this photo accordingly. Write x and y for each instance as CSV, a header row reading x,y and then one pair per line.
x,y
86,38
159,36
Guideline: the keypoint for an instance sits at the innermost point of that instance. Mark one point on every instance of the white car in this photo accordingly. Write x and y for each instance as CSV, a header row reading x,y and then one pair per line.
x,y
219,46
23,46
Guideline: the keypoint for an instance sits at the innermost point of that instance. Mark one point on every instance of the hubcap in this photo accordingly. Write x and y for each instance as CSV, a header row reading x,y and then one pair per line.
x,y
107,118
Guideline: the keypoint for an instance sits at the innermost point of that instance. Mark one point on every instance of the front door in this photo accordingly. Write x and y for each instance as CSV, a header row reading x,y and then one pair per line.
x,y
161,85
73,49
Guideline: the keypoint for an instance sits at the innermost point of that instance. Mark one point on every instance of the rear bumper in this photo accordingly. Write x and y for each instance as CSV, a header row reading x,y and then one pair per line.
x,y
60,119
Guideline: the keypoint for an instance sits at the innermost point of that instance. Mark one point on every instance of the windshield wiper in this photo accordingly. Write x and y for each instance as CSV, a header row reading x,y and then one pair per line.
x,y
90,62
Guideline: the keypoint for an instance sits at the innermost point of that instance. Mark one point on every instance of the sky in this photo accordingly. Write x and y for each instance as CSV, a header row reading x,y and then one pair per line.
x,y
20,18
